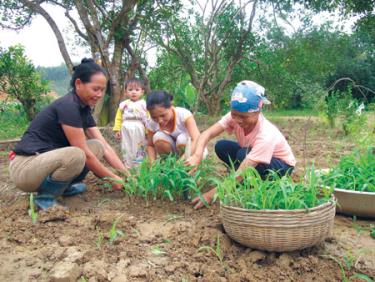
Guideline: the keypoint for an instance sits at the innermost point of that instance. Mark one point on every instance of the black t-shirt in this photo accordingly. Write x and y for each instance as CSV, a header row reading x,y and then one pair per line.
x,y
45,132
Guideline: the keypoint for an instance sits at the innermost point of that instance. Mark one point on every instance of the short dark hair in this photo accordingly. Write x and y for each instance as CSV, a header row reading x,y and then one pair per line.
x,y
85,70
160,99
135,81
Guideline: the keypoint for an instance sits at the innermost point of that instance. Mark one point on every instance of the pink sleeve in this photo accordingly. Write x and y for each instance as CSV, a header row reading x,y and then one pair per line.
x,y
227,122
262,151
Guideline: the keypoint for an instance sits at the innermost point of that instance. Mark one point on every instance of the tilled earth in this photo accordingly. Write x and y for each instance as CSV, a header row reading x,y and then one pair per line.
x,y
162,241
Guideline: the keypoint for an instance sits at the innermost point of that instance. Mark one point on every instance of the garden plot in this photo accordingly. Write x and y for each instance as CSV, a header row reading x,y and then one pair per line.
x,y
111,236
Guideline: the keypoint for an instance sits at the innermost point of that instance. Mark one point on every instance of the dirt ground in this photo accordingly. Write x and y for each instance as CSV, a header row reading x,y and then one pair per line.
x,y
161,241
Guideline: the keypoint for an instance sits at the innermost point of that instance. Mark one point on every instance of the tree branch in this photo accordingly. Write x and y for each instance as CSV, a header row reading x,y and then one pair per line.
x,y
60,40
75,25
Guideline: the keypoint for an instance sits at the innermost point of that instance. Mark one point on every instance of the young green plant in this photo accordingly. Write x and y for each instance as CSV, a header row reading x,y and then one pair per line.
x,y
216,251
32,211
346,264
157,250
114,233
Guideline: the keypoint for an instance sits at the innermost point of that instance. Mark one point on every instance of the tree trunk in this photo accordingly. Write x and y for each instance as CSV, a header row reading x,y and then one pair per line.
x,y
29,108
114,100
213,106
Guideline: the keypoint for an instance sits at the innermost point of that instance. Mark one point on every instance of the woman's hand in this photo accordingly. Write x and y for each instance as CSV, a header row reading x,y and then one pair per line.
x,y
208,196
194,160
117,183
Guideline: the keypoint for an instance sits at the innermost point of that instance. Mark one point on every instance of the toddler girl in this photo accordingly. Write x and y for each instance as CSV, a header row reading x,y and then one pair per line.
x,y
130,121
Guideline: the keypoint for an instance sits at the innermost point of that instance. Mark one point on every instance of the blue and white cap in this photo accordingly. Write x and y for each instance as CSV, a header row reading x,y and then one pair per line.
x,y
248,96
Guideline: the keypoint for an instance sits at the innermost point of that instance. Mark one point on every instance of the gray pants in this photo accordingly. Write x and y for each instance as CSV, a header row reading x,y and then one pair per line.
x,y
64,164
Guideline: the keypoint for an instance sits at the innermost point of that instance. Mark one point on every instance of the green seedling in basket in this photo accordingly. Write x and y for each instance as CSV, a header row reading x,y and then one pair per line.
x,y
274,192
355,171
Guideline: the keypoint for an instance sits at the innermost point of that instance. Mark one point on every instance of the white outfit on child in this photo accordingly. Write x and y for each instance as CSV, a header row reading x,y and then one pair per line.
x,y
134,119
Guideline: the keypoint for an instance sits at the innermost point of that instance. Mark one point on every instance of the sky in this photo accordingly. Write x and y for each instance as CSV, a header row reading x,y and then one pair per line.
x,y
40,42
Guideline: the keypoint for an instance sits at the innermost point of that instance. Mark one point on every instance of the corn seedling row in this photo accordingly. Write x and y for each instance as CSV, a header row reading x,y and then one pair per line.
x,y
169,178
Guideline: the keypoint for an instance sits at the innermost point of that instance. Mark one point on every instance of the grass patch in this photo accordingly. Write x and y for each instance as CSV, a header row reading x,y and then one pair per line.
x,y
290,113
13,122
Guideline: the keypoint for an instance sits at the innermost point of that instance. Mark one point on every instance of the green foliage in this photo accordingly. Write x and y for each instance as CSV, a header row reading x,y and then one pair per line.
x,y
13,120
372,232
167,75
353,172
58,77
169,178
202,47
20,80
331,108
354,119
297,68
112,235
293,68
272,193
359,228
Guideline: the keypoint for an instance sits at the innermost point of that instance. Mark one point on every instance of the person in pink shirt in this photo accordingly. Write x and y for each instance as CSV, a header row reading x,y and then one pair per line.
x,y
259,143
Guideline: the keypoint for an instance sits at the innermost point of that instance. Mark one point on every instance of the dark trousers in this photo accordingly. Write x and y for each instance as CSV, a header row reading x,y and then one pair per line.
x,y
230,153
81,176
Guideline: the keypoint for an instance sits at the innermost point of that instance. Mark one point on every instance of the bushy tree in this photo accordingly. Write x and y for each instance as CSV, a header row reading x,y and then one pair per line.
x,y
111,29
206,43
20,80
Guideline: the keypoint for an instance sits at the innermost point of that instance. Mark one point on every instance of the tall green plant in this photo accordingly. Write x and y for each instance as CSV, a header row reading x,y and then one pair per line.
x,y
169,178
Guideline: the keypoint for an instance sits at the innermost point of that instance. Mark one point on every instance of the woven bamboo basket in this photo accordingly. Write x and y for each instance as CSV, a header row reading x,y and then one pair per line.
x,y
279,230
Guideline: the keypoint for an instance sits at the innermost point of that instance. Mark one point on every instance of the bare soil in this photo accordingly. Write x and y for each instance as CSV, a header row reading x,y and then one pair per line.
x,y
162,240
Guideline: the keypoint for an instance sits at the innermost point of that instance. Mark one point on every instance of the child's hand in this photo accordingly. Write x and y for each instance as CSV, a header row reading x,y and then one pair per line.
x,y
118,135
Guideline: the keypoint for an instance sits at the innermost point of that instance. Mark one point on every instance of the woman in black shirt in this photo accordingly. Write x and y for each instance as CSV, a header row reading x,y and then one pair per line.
x,y
63,143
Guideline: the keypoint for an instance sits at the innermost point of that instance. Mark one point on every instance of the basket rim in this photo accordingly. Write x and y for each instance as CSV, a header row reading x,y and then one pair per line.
x,y
354,192
330,202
